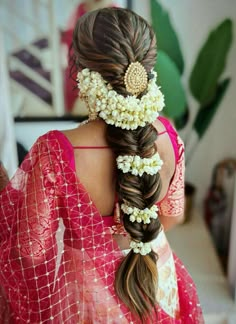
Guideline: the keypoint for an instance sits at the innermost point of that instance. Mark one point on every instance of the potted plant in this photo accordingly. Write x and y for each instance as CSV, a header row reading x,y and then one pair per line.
x,y
205,82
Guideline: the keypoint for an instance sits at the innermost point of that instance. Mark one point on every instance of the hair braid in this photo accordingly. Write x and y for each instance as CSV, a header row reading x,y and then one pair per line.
x,y
107,41
140,192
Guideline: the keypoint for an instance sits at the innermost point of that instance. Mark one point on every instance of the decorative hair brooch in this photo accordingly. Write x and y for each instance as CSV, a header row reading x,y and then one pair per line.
x,y
136,78
138,166
140,215
125,112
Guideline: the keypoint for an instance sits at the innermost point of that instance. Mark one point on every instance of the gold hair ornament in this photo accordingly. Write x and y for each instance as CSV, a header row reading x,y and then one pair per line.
x,y
136,79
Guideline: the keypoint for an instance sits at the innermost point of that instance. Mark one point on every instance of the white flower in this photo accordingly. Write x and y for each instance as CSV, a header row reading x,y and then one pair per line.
x,y
127,113
138,166
140,215
140,247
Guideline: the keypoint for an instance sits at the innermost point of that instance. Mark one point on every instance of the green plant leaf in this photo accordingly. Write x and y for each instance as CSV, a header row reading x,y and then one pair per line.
x,y
167,40
182,120
169,79
205,116
210,63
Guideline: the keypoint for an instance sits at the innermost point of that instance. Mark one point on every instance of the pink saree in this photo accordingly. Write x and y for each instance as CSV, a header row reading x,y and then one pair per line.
x,y
58,257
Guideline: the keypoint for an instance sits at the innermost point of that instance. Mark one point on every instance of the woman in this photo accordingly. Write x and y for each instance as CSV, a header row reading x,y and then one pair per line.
x,y
62,259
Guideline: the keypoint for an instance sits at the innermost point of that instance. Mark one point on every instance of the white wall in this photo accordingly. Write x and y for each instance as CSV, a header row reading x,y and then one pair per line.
x,y
232,255
142,8
193,20
28,132
8,154
38,13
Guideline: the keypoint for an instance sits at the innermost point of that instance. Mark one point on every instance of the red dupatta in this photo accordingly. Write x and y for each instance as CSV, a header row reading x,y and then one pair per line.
x,y
57,260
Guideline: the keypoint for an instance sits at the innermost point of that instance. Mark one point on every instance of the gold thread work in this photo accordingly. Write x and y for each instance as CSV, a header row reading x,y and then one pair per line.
x,y
136,79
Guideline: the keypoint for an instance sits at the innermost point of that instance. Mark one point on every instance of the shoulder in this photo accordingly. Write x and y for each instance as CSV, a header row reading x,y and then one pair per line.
x,y
176,141
51,141
46,147
48,137
90,134
160,127
168,124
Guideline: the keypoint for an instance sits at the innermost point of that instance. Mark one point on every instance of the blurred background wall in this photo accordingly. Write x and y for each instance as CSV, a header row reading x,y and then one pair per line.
x,y
8,153
192,21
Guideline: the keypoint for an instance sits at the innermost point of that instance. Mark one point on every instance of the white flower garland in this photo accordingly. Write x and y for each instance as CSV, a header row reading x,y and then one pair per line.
x,y
140,247
127,113
137,165
140,215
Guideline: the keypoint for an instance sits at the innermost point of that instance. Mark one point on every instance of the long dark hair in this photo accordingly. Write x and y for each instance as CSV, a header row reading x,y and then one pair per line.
x,y
107,41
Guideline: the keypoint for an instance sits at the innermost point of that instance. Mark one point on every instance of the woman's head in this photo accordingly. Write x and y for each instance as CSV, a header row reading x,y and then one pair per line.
x,y
108,40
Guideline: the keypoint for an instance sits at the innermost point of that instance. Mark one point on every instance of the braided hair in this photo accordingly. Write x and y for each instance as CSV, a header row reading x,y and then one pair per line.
x,y
107,41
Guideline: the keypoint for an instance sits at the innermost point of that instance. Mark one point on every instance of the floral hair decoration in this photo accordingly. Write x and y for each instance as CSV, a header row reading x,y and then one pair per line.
x,y
140,247
126,112
140,215
138,166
